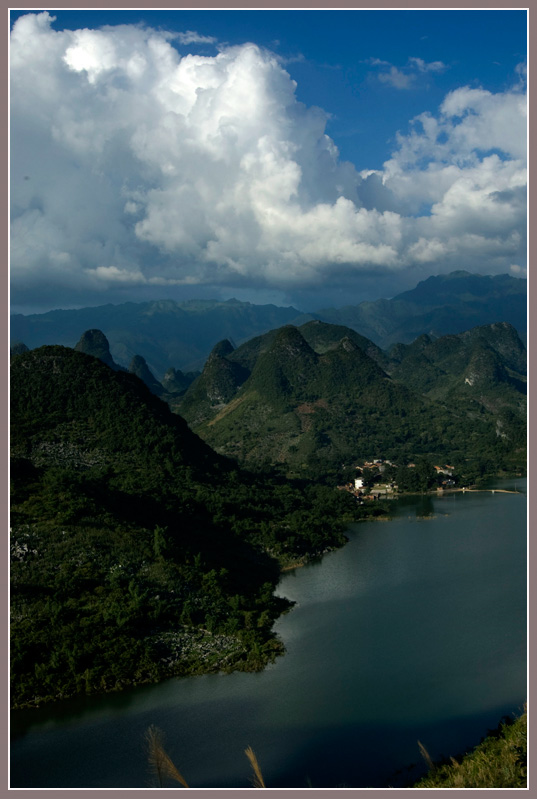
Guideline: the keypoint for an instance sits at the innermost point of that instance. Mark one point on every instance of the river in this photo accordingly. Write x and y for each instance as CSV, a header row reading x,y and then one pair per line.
x,y
415,630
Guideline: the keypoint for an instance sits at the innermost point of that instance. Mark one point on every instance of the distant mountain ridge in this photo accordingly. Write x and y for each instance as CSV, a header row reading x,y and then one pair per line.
x,y
165,333
440,305
180,336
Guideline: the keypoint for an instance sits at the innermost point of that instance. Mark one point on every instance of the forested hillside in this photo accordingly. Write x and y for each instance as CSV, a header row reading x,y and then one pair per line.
x,y
137,552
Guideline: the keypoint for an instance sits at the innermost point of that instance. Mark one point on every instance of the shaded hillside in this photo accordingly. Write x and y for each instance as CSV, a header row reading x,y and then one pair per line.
x,y
311,410
94,343
138,367
138,552
166,333
440,305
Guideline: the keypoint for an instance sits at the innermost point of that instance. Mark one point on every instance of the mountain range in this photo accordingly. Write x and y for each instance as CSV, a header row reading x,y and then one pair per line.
x,y
180,336
314,397
439,305
165,333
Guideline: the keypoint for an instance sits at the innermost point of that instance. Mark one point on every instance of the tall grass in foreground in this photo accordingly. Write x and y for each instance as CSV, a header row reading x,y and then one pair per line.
x,y
163,767
159,760
499,762
257,779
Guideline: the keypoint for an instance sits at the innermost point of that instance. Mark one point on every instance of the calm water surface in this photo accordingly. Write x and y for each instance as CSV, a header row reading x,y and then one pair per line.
x,y
415,630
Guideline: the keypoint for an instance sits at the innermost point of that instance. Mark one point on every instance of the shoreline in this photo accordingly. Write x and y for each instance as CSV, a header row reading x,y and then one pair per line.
x,y
40,702
436,492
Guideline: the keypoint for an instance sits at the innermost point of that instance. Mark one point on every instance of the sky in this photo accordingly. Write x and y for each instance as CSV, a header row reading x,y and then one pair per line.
x,y
308,158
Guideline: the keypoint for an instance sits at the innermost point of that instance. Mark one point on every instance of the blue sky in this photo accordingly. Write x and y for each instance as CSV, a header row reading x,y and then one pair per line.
x,y
364,151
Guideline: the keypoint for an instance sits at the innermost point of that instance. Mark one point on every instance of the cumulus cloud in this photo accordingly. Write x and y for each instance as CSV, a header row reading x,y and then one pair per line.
x,y
136,166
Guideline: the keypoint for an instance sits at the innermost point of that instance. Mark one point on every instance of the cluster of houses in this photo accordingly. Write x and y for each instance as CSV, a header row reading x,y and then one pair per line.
x,y
446,470
389,488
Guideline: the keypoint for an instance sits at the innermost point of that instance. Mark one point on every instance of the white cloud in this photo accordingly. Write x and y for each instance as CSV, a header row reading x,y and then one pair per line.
x,y
192,37
114,275
522,72
423,66
134,166
376,62
405,77
396,78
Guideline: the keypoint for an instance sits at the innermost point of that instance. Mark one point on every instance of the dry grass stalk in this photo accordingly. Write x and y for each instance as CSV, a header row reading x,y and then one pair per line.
x,y
159,760
426,756
257,779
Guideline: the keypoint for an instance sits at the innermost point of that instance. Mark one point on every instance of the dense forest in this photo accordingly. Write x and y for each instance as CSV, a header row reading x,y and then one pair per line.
x,y
137,552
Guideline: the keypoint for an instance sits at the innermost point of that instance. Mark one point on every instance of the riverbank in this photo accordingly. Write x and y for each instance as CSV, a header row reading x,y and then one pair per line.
x,y
441,492
498,762
185,652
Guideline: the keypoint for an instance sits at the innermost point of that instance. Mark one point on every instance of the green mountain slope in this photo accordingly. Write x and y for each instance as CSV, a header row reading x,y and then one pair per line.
x,y
485,365
138,552
215,386
311,411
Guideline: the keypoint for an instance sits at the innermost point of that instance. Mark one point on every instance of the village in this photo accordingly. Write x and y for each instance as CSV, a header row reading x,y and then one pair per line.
x,y
383,478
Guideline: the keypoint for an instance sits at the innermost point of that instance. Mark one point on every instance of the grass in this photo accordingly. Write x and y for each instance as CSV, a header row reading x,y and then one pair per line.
x,y
499,762
163,767
257,778
160,762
